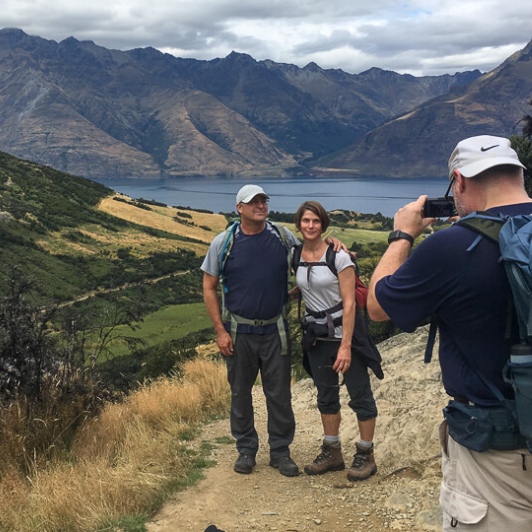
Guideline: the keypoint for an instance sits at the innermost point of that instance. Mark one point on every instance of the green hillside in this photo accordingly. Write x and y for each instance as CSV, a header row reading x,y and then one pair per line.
x,y
109,262
52,231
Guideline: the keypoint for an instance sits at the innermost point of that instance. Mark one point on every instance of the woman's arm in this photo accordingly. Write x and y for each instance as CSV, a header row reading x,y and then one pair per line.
x,y
346,278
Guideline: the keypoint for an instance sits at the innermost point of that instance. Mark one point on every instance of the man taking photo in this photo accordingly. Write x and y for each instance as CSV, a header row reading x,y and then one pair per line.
x,y
455,278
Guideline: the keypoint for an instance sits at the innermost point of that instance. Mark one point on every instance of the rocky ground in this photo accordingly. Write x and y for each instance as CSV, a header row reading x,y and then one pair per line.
x,y
403,495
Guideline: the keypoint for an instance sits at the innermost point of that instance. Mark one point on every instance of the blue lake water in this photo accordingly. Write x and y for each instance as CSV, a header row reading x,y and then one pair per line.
x,y
366,195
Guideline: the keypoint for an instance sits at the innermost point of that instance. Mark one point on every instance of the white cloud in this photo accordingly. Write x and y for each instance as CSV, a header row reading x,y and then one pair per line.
x,y
422,37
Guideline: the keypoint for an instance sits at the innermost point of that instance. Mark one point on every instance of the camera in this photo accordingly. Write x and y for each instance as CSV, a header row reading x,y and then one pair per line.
x,y
439,207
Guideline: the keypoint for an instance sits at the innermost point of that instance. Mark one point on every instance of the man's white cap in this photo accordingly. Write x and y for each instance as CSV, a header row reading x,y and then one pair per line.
x,y
248,192
476,154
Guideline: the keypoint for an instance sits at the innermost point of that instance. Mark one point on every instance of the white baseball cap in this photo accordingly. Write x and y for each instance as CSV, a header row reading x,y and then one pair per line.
x,y
476,154
248,192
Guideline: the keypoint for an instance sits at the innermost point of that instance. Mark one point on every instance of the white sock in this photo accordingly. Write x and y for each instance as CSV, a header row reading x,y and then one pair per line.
x,y
331,440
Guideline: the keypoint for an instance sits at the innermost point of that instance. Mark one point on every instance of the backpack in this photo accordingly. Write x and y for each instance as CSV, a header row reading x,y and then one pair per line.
x,y
361,290
235,319
513,234
362,344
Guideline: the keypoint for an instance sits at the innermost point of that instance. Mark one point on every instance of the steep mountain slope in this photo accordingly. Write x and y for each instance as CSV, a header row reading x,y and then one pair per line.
x,y
418,143
64,233
96,112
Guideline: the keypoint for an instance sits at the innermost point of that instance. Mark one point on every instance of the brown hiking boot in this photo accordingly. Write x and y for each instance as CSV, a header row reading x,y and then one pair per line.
x,y
363,465
329,459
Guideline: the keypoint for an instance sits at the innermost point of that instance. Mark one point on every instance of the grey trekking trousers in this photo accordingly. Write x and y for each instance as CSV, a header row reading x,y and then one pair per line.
x,y
254,353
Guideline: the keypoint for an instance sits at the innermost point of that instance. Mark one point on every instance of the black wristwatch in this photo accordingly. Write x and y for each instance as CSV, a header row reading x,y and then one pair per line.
x,y
398,235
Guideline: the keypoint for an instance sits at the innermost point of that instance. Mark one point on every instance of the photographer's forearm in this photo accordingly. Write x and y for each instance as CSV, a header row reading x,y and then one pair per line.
x,y
393,258
408,219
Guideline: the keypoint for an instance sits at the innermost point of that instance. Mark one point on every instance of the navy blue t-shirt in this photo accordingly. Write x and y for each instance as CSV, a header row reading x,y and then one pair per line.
x,y
256,277
468,293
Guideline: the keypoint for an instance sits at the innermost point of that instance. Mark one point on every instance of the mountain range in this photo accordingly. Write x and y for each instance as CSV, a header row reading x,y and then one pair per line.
x,y
102,113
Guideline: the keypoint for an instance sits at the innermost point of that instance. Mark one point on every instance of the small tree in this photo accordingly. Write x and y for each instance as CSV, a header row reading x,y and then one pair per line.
x,y
27,349
523,146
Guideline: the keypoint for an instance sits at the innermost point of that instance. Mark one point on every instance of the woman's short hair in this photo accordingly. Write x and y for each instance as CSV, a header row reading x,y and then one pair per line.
x,y
315,207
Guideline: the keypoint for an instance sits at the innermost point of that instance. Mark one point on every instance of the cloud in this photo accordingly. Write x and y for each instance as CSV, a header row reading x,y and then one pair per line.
x,y
422,37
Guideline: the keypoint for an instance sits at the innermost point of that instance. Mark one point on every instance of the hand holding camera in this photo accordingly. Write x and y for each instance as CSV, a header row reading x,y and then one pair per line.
x,y
409,218
442,207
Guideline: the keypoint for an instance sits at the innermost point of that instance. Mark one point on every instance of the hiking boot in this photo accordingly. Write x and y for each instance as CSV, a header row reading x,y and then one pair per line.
x,y
363,465
244,464
329,459
285,465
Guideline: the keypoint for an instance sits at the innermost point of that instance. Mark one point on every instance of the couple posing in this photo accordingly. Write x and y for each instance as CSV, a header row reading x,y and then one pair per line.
x,y
252,261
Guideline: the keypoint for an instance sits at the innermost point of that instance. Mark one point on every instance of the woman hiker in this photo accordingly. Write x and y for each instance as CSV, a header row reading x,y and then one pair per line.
x,y
328,329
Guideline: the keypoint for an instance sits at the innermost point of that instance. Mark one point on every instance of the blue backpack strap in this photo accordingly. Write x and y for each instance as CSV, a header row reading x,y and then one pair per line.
x,y
283,234
226,249
227,245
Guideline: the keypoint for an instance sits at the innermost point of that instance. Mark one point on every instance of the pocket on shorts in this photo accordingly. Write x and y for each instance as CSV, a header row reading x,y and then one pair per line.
x,y
463,508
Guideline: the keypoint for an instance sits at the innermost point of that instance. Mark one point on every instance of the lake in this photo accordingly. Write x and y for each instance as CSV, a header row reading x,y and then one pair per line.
x,y
366,195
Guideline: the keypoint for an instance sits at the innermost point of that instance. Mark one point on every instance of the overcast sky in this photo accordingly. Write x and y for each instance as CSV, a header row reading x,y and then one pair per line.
x,y
419,37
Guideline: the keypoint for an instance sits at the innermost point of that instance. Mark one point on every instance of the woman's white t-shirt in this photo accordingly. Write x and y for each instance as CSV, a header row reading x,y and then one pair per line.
x,y
320,288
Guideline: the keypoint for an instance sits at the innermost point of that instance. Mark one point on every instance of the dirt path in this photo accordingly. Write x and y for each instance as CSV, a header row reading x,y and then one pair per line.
x,y
403,495
125,286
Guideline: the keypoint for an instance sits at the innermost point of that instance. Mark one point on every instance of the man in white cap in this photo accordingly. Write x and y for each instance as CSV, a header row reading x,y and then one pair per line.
x,y
252,262
455,278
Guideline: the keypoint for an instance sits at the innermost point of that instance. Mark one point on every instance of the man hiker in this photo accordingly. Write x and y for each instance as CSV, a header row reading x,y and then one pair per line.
x,y
455,278
251,328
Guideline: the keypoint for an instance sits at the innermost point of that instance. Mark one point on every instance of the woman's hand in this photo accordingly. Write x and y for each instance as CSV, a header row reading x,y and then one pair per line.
x,y
343,359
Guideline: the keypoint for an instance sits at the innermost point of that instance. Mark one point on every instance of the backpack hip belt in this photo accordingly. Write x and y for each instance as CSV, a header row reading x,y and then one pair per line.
x,y
318,314
332,323
235,319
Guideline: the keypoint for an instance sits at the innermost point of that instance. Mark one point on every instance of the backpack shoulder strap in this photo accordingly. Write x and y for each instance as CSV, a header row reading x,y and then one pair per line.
x,y
330,259
296,257
486,224
282,231
227,245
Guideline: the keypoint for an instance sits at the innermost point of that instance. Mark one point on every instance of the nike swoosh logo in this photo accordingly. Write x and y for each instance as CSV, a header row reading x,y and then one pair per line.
x,y
488,148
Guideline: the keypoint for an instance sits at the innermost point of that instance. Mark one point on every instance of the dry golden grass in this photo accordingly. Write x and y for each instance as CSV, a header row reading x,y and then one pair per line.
x,y
123,462
103,241
163,218
140,243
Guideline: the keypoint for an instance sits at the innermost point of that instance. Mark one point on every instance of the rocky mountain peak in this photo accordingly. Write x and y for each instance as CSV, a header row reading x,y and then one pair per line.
x,y
97,112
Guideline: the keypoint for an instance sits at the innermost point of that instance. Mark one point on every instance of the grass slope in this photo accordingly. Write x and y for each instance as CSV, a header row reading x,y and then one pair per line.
x,y
59,230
